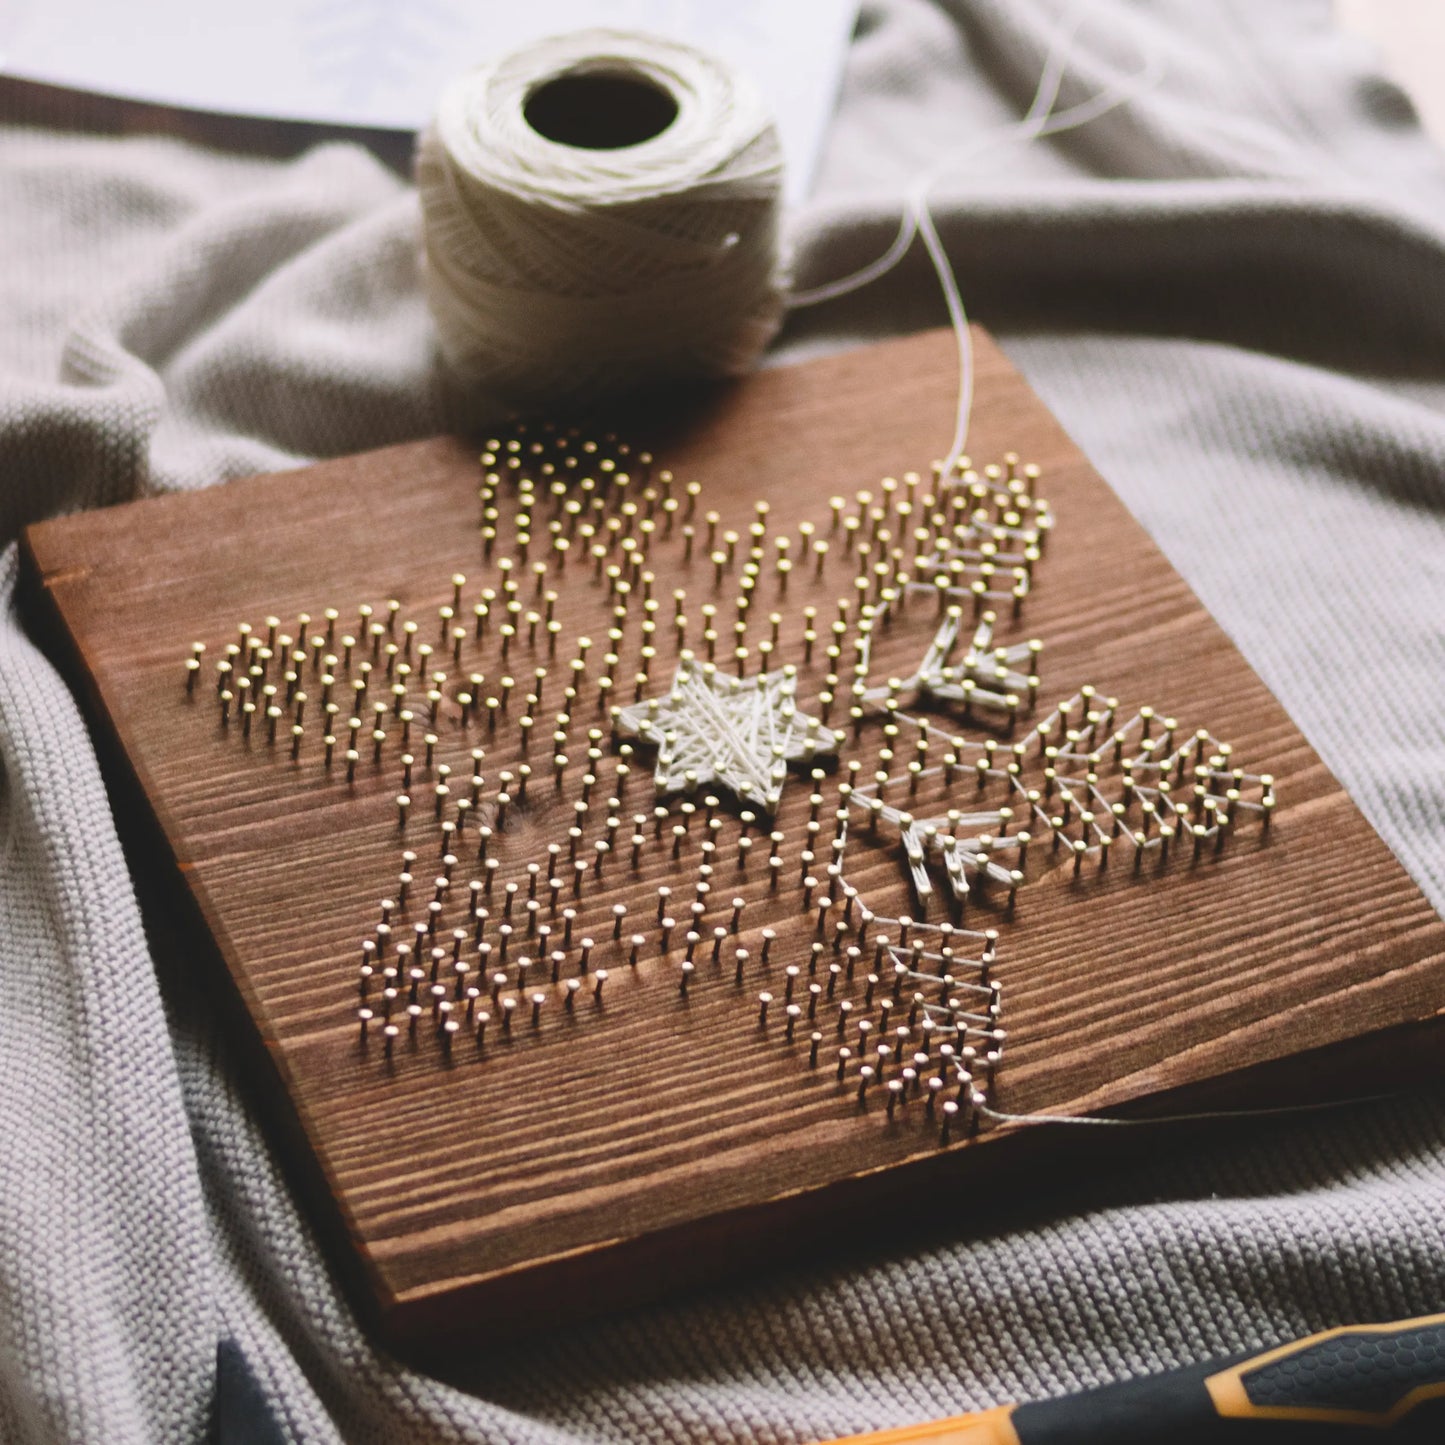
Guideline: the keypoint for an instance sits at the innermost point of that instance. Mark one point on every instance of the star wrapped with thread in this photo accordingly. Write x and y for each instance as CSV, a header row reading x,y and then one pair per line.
x,y
740,733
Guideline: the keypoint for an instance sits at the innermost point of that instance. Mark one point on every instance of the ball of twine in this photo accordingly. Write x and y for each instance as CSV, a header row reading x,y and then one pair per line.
x,y
564,271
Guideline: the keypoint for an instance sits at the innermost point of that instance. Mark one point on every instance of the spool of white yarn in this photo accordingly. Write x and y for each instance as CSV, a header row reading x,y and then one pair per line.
x,y
601,214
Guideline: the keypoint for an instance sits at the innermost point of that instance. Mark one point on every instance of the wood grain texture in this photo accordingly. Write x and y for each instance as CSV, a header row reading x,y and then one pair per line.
x,y
614,1153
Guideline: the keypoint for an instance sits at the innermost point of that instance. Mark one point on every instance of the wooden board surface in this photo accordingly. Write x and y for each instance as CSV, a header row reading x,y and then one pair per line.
x,y
617,1150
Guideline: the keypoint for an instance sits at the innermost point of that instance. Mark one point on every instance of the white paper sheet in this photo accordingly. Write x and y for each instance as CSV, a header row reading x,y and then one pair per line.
x,y
382,63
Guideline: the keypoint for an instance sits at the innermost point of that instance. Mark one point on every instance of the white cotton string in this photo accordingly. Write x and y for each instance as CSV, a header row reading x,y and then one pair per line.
x,y
558,272
1144,1121
917,219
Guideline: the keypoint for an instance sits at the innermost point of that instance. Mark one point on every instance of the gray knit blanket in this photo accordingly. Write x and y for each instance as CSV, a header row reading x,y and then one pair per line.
x,y
1231,290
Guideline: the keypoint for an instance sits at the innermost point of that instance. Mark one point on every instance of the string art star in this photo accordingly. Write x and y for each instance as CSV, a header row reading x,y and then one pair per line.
x,y
738,733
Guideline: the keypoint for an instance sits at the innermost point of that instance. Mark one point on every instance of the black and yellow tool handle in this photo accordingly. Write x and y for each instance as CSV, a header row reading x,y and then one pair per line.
x,y
1352,1383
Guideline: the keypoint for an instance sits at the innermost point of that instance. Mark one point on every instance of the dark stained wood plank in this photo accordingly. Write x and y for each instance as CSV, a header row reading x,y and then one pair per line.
x,y
618,1151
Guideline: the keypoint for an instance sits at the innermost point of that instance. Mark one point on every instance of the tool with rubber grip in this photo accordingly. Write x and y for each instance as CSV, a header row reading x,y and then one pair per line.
x,y
1356,1383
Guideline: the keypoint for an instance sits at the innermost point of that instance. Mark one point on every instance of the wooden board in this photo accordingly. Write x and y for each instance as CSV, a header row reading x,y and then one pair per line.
x,y
616,1151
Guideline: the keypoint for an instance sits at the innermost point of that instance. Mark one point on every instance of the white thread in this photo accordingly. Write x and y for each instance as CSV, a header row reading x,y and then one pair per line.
x,y
917,219
1271,1111
557,272
741,734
